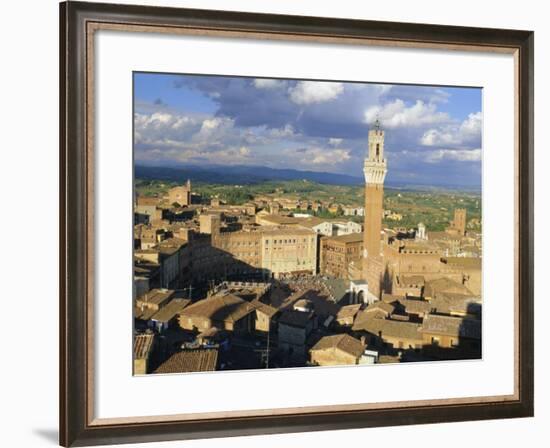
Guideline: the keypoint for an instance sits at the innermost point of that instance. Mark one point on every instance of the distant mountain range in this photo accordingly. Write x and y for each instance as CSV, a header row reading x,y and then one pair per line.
x,y
247,175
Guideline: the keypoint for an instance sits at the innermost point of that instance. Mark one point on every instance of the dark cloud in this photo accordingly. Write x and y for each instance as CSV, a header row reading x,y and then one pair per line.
x,y
240,100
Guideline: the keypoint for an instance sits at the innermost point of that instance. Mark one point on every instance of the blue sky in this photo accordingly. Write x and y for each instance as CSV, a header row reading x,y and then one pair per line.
x,y
433,134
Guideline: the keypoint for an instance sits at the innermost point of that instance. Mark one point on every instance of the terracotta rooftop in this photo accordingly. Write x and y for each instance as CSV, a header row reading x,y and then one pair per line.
x,y
408,280
171,310
145,313
147,200
337,287
264,308
220,308
175,242
464,262
389,298
380,305
156,296
195,360
349,238
348,311
343,342
415,306
452,326
447,302
388,328
295,318
445,285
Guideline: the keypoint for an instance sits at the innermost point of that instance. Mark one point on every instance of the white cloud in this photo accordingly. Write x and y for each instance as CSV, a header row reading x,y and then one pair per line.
x,y
155,120
469,131
268,83
311,92
458,155
286,131
472,124
325,157
440,96
214,128
396,114
307,157
435,137
335,141
164,126
244,151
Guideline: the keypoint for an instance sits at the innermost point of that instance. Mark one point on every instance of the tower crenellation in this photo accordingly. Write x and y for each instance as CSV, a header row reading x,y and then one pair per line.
x,y
375,166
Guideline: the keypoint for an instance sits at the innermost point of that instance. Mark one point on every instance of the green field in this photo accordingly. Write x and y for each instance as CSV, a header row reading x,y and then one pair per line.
x,y
434,208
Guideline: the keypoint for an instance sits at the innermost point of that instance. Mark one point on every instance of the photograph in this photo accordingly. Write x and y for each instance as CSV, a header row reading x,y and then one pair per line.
x,y
339,205
296,223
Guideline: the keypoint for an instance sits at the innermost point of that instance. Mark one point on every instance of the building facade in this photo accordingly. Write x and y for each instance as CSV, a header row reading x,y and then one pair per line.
x,y
180,194
338,252
286,250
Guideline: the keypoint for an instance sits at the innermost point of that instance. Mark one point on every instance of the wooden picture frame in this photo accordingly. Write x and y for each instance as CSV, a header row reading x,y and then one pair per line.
x,y
78,22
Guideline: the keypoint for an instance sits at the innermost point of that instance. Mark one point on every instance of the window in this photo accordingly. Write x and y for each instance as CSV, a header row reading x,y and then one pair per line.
x,y
377,149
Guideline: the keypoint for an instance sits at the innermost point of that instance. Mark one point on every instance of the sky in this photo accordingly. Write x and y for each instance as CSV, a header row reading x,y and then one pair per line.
x,y
433,134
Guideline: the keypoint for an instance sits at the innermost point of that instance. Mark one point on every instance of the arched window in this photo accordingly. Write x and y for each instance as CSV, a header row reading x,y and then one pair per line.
x,y
377,149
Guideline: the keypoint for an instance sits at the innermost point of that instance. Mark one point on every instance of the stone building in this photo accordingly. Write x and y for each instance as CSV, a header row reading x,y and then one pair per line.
x,y
332,227
180,194
155,299
294,330
224,312
452,332
210,223
143,348
396,334
346,315
266,250
168,315
264,319
465,269
338,252
288,250
243,247
408,285
409,257
149,206
335,350
354,211
173,258
147,236
458,224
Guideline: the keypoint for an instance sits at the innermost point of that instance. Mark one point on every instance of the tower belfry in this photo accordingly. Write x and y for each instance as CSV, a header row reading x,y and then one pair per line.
x,y
374,169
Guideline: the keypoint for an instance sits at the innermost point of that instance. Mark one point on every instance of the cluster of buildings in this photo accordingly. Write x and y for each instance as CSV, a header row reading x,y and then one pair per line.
x,y
224,286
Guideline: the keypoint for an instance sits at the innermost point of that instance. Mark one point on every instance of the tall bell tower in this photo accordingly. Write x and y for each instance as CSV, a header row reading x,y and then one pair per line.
x,y
375,169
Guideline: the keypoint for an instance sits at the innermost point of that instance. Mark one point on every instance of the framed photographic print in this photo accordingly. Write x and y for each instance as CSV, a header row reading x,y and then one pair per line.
x,y
278,224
